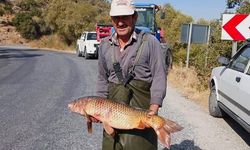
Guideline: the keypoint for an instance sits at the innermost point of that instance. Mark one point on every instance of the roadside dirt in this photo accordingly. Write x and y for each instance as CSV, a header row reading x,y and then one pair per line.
x,y
9,35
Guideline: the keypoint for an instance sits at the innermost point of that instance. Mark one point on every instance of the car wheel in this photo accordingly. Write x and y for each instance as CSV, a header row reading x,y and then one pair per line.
x,y
214,109
78,51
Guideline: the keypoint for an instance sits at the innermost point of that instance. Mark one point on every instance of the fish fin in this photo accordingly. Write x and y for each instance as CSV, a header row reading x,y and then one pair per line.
x,y
89,125
172,126
163,136
97,116
108,128
141,125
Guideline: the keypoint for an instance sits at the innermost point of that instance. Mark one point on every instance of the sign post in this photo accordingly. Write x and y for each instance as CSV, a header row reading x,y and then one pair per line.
x,y
189,44
194,33
207,47
234,48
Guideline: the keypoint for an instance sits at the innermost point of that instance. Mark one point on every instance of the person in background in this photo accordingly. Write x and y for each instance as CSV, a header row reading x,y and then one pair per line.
x,y
131,70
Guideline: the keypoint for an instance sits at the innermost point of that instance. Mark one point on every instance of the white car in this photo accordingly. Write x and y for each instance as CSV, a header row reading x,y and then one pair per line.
x,y
87,45
230,87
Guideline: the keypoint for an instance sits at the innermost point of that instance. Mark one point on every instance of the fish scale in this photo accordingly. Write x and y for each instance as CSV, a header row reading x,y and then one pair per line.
x,y
116,110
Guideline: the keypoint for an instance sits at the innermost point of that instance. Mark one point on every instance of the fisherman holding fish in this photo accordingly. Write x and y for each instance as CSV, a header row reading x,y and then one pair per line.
x,y
131,71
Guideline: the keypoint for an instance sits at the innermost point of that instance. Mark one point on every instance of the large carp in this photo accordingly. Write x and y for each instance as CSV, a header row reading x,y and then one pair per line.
x,y
120,116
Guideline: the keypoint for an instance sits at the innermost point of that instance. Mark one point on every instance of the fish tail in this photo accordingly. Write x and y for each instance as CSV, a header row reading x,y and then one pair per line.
x,y
172,126
164,131
163,136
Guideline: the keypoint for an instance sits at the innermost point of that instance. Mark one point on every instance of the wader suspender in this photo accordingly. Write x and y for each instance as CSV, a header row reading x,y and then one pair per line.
x,y
118,69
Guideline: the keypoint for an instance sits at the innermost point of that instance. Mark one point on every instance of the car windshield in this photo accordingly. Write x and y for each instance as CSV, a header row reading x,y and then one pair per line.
x,y
91,36
241,61
145,17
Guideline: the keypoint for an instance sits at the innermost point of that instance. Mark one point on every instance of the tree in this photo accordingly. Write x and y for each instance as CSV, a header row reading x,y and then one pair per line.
x,y
29,20
69,18
233,3
245,8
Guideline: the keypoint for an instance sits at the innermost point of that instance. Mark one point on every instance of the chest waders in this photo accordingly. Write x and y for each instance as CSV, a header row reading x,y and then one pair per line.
x,y
135,93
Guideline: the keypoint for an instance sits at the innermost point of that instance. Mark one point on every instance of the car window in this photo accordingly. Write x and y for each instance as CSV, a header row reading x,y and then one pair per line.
x,y
91,36
240,62
83,36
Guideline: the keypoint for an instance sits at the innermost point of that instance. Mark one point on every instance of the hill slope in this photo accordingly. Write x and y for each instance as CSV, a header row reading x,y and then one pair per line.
x,y
9,35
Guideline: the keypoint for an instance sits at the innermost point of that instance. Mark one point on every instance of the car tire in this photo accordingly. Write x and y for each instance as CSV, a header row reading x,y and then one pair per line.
x,y
214,108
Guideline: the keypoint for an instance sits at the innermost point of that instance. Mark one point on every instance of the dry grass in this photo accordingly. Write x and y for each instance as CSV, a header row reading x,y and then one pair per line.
x,y
186,81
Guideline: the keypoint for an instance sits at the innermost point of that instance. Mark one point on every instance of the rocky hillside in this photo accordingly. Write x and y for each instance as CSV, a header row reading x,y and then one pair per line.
x,y
8,33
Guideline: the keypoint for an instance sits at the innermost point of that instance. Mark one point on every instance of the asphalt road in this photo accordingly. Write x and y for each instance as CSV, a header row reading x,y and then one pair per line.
x,y
37,85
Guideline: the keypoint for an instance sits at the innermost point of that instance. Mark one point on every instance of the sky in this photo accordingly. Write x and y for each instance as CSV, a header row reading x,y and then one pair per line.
x,y
207,9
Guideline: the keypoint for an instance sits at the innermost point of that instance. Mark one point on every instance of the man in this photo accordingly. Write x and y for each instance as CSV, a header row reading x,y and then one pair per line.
x,y
131,70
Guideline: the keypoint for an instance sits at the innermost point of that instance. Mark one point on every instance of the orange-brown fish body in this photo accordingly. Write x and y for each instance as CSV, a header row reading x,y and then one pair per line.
x,y
121,116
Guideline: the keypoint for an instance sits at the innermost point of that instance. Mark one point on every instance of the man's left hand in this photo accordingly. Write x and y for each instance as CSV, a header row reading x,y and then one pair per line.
x,y
153,109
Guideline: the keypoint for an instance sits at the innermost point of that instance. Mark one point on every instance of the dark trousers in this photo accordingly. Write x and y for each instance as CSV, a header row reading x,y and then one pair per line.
x,y
135,94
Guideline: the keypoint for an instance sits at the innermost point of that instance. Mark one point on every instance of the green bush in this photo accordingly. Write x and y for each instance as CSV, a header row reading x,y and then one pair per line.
x,y
5,8
8,9
28,5
1,12
27,27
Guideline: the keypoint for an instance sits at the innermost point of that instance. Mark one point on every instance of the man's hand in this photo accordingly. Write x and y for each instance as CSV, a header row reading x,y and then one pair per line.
x,y
153,110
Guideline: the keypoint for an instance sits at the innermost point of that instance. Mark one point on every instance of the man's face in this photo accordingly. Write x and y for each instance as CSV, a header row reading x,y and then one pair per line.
x,y
124,25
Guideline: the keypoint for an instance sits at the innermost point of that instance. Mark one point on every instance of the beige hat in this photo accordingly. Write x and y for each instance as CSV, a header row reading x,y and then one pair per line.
x,y
122,8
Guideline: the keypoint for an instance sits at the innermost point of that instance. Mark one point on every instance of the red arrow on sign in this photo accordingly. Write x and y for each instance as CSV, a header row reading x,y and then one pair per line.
x,y
230,27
